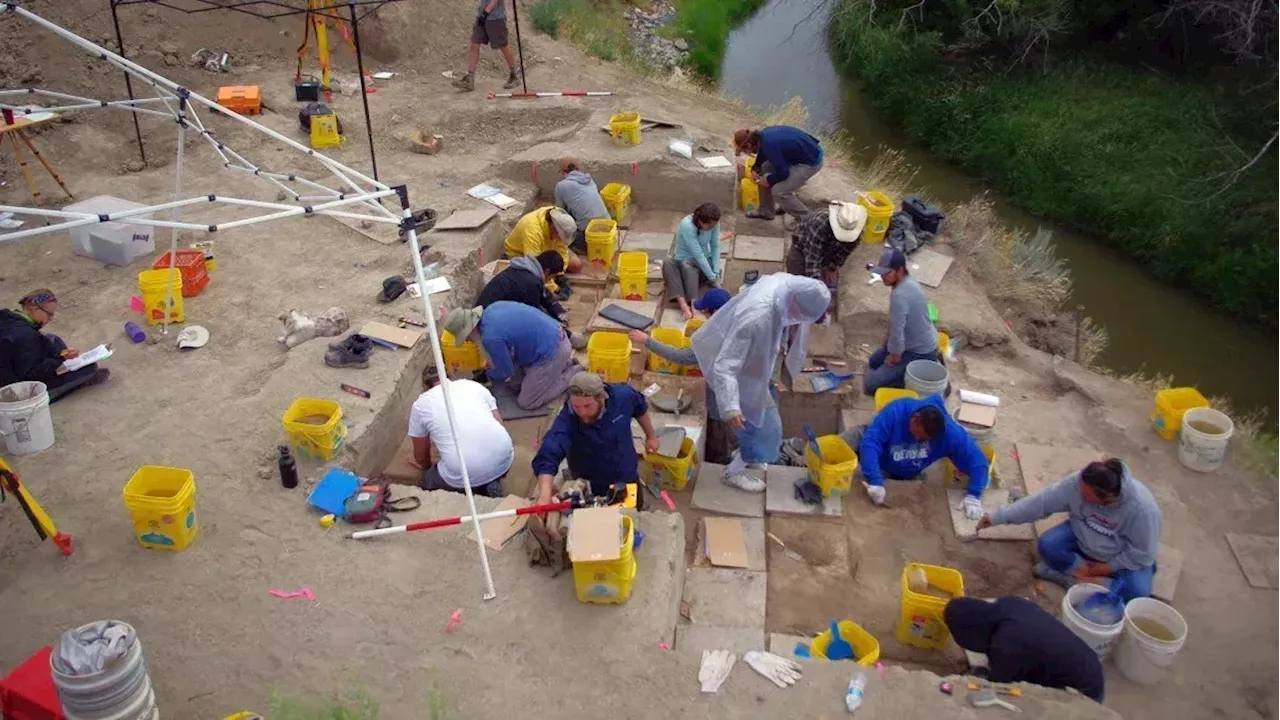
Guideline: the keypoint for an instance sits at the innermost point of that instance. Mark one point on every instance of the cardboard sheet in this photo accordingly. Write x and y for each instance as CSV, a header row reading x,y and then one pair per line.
x,y
404,337
980,415
1043,465
466,219
594,534
928,267
499,531
1257,555
725,544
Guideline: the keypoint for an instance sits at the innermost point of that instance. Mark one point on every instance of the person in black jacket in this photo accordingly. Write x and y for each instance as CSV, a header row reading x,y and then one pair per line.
x,y
525,282
1025,644
27,354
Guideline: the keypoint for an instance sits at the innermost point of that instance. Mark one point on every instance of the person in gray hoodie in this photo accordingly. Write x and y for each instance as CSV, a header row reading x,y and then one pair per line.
x,y
1111,536
578,195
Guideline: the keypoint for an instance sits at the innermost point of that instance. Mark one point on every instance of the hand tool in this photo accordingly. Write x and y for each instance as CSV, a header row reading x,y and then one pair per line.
x,y
1000,688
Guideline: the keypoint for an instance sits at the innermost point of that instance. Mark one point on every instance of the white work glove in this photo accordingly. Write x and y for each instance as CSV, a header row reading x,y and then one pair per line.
x,y
715,668
972,507
779,670
876,493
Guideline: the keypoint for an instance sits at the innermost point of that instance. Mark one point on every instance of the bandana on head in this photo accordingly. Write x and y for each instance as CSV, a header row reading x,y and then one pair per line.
x,y
39,297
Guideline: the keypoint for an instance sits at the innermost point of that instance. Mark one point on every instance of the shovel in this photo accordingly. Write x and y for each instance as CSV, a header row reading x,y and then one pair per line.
x,y
839,649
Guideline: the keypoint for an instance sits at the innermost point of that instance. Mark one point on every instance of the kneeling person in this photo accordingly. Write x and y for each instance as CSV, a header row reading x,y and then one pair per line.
x,y
522,345
909,435
484,444
593,431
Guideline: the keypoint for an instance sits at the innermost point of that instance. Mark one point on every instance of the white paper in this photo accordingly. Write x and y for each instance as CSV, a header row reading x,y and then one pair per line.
x,y
978,398
88,357
502,201
483,191
383,75
681,148
715,161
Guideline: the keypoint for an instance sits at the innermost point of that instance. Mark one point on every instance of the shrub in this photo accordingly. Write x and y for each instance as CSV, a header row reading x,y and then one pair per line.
x,y
706,25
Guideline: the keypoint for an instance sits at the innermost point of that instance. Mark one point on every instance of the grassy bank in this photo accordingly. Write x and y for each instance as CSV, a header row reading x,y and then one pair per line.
x,y
706,25
599,28
1129,155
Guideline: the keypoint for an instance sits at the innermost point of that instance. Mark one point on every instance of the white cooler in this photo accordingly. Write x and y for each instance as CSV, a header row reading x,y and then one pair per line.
x,y
113,243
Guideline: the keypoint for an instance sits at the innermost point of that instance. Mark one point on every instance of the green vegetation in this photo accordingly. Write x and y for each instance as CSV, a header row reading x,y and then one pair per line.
x,y
1176,171
353,703
599,29
706,25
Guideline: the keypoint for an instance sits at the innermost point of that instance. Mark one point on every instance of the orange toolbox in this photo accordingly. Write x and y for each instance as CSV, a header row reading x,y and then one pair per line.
x,y
191,264
243,99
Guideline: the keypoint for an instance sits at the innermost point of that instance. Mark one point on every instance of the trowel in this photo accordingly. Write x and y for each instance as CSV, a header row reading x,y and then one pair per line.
x,y
670,440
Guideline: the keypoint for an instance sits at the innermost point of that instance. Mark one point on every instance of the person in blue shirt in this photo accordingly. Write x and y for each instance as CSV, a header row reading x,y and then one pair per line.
x,y
786,158
522,345
593,431
696,260
909,435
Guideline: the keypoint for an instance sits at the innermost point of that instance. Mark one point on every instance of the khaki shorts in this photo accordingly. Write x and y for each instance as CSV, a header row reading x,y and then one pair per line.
x,y
492,33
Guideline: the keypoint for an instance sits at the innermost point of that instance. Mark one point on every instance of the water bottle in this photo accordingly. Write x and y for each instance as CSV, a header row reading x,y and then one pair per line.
x,y
857,684
134,332
288,468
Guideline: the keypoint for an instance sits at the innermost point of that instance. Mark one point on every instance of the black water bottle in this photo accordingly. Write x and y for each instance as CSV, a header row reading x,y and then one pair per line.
x,y
288,468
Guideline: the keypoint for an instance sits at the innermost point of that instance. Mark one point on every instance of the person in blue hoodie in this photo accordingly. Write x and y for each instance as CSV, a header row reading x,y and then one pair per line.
x,y
786,158
909,435
1112,532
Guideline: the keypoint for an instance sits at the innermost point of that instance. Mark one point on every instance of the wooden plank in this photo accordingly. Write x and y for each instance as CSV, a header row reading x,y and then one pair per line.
x,y
1257,555
467,219
928,267
499,531
1043,465
725,545
1168,571
404,337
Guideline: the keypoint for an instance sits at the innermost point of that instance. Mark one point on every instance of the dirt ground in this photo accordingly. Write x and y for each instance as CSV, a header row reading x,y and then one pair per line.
x,y
216,642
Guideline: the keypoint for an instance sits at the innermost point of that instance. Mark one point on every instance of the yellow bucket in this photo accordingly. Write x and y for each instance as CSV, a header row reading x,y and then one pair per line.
x,y
625,128
602,241
748,195
1171,405
955,477
879,211
608,582
676,339
633,275
460,358
315,428
609,356
617,199
866,649
920,623
673,472
885,395
834,473
162,503
154,285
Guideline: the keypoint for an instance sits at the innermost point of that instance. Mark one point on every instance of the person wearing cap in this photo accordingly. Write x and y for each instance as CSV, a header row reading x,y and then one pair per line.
x,y
593,432
29,354
824,239
738,351
525,281
696,260
547,228
577,194
911,333
523,346
482,441
786,159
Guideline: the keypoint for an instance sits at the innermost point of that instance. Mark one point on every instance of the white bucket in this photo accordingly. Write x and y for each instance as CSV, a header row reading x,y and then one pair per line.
x,y
121,691
1142,658
25,421
1202,451
1100,638
926,377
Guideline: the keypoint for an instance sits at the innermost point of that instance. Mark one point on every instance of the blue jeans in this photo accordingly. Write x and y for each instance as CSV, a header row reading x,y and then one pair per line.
x,y
1059,548
881,375
759,444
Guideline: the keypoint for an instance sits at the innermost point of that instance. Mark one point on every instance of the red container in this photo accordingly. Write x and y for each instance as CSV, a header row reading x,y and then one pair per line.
x,y
28,693
191,264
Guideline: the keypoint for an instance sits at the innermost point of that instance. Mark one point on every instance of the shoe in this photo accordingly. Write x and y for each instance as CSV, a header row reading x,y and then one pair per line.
x,y
577,340
749,480
563,291
513,80
355,341
759,216
1044,572
466,83
346,357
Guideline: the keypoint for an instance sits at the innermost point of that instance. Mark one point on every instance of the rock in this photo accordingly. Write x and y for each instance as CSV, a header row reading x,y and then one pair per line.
x,y
172,60
169,48
681,45
31,78
134,166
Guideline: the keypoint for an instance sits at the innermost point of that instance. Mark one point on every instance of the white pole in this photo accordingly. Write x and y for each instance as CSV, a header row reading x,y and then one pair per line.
x,y
173,217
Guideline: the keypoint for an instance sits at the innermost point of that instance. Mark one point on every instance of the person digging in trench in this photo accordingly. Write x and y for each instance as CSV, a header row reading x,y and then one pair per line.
x,y
824,239
547,228
578,195
1112,532
593,432
525,281
696,260
29,354
522,345
912,335
786,159
905,438
484,444
490,29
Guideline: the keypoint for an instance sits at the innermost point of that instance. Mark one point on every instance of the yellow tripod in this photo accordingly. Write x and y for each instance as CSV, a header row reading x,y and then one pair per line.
x,y
39,519
318,12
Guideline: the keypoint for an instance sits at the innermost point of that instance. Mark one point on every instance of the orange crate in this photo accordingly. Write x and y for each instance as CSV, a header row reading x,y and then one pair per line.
x,y
191,264
243,99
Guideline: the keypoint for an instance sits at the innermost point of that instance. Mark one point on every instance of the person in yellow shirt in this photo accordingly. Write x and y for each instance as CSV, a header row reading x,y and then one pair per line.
x,y
547,228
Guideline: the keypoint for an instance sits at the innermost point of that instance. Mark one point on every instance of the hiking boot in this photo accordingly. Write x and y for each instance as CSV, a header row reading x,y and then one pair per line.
x,y
751,479
760,216
356,342
466,83
513,80
577,340
346,357
563,291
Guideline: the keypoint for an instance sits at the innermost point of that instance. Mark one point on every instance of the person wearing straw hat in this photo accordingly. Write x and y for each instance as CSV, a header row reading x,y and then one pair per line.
x,y
911,333
824,239
593,432
547,228
522,344
29,354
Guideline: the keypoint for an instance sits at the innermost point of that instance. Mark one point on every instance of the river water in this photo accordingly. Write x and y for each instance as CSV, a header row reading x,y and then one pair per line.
x,y
781,52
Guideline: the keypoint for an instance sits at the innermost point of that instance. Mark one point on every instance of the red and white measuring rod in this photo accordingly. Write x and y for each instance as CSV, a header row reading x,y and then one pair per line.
x,y
446,522
564,93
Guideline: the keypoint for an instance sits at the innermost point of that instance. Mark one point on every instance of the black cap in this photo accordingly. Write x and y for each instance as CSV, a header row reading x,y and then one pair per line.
x,y
392,288
890,259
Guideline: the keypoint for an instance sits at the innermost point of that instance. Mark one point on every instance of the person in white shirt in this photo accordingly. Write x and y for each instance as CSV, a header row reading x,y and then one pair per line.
x,y
485,445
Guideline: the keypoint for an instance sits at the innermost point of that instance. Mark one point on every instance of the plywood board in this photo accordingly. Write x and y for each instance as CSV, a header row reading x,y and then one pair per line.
x,y
713,495
992,500
693,639
1043,465
648,308
826,341
724,544
404,337
594,533
671,318
928,267
499,531
755,247
753,540
1168,572
980,415
650,242
1257,555
468,219
724,597
780,495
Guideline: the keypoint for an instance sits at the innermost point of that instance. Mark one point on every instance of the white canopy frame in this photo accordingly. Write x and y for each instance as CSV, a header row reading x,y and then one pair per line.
x,y
356,191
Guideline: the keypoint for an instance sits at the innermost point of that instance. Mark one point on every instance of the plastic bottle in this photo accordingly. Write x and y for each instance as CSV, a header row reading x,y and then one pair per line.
x,y
857,685
288,468
134,332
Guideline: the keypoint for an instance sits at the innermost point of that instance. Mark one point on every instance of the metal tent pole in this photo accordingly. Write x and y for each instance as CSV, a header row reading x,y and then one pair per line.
x,y
364,94
128,79
177,193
